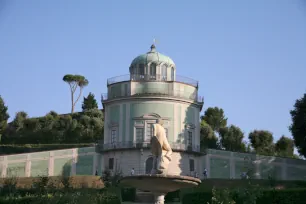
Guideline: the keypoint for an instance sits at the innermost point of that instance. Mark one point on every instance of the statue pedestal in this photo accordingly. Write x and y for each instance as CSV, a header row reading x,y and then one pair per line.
x,y
159,198
159,185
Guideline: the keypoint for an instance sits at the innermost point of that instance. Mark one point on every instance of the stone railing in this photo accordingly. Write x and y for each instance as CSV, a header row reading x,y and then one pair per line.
x,y
143,145
150,77
154,92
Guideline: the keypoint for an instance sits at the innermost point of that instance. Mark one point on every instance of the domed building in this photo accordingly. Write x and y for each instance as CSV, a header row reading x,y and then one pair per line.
x,y
151,91
135,101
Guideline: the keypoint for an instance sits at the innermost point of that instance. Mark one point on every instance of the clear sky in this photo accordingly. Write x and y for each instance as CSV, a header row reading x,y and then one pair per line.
x,y
249,56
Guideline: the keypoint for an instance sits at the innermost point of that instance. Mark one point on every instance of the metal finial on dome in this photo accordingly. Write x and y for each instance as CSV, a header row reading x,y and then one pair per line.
x,y
153,48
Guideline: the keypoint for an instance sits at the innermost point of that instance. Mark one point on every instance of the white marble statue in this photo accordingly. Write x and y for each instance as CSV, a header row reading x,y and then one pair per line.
x,y
160,149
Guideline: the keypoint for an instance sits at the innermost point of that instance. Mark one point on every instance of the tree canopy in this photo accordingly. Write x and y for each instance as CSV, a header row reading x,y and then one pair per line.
x,y
262,142
298,126
284,147
208,139
75,81
89,102
84,127
231,138
4,116
215,118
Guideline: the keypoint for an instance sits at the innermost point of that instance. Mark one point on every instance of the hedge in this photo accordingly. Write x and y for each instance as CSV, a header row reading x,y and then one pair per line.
x,y
288,196
56,181
75,197
172,197
128,194
29,148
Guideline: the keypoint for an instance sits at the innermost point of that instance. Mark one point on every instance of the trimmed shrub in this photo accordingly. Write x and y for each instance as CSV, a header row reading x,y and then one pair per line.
x,y
197,198
172,197
55,182
288,196
128,194
91,196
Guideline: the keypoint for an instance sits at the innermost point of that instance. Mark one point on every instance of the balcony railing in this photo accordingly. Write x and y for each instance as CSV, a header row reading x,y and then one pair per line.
x,y
140,145
150,77
155,92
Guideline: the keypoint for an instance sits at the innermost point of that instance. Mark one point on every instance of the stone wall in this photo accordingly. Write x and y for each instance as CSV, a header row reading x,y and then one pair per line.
x,y
77,161
85,161
225,164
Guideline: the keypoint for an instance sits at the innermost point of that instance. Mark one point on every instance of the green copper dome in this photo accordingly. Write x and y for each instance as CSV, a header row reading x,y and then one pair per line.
x,y
152,56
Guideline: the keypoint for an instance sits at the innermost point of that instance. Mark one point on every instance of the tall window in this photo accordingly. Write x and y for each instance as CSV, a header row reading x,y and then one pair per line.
x,y
126,90
172,73
139,135
132,70
113,136
164,72
111,163
191,165
149,131
189,139
141,71
153,71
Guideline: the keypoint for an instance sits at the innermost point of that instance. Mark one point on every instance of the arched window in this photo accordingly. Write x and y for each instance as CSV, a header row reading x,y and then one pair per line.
x,y
141,71
133,72
153,71
164,72
172,73
149,165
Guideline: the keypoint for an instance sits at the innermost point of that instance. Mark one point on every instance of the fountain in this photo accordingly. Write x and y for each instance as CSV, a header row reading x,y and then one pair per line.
x,y
159,182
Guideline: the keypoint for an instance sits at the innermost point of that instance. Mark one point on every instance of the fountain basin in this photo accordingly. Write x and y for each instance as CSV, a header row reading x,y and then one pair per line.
x,y
159,183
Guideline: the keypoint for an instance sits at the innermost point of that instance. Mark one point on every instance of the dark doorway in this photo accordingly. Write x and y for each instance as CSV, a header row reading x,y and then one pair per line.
x,y
149,165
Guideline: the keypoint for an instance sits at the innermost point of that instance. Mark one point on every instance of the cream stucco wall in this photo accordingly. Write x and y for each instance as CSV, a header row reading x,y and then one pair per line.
x,y
120,115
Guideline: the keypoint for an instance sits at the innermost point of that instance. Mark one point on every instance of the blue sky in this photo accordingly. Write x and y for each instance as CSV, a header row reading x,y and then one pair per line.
x,y
249,56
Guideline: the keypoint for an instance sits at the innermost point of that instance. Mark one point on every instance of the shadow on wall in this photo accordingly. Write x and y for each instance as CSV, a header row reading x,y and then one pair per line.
x,y
187,141
67,168
84,164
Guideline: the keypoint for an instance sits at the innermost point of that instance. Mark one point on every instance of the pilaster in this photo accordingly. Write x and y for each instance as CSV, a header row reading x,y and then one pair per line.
x,y
284,169
207,161
175,123
127,123
257,168
102,165
95,164
106,125
232,166
121,120
74,162
183,114
4,167
28,166
51,164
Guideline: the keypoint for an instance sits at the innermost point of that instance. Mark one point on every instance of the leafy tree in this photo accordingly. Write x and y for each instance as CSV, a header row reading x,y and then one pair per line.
x,y
90,126
19,119
80,127
298,126
284,147
215,118
4,116
89,102
208,139
262,142
75,81
231,138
